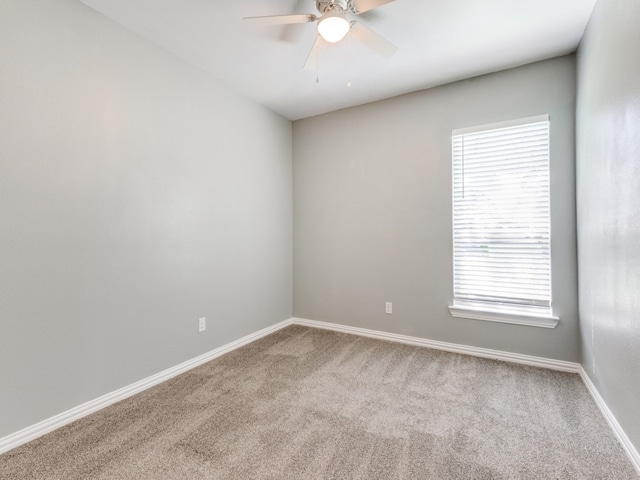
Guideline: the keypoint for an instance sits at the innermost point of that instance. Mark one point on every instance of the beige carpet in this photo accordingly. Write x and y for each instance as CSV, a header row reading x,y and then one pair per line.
x,y
307,403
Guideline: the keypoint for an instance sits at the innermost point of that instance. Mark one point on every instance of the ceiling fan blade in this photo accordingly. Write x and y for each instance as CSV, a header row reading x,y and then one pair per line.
x,y
283,19
372,16
292,32
361,6
316,51
371,39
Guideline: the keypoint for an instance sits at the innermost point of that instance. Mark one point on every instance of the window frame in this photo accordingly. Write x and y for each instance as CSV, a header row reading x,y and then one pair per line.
x,y
499,312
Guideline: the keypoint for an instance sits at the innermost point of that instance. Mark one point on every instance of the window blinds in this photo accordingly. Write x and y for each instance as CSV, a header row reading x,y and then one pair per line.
x,y
501,218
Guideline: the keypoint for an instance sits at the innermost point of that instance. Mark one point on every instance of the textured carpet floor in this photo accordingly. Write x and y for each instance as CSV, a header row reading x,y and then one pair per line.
x,y
307,403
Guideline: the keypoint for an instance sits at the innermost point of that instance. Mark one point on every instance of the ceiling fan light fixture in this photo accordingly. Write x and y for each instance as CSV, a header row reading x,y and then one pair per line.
x,y
333,27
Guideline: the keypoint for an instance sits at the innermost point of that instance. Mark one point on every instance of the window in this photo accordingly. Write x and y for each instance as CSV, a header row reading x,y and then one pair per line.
x,y
501,223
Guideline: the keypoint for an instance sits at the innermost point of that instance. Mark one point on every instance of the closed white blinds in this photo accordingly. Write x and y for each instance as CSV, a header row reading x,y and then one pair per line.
x,y
501,218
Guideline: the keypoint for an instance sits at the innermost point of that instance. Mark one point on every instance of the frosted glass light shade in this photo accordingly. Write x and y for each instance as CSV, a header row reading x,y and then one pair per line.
x,y
333,27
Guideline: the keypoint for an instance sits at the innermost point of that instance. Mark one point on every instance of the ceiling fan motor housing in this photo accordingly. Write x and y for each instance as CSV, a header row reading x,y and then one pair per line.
x,y
337,6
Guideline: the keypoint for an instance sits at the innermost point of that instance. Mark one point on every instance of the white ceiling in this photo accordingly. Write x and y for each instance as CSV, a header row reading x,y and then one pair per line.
x,y
439,41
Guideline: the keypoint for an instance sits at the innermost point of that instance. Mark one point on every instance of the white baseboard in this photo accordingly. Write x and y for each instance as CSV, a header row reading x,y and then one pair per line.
x,y
31,433
449,347
633,454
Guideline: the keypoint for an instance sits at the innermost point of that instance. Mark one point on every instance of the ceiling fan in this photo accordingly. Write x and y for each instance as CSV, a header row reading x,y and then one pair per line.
x,y
333,25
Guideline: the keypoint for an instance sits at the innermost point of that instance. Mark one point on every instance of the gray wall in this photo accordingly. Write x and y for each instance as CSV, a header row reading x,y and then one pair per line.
x,y
136,195
372,209
608,179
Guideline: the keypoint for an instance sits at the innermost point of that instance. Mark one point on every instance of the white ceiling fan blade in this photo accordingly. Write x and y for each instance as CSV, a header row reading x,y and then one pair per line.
x,y
283,19
292,32
314,54
371,39
361,6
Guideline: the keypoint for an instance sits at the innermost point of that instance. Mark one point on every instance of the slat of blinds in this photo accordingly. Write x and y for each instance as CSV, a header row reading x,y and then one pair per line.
x,y
500,143
498,251
500,282
488,266
507,297
516,291
467,208
484,188
536,270
534,264
467,224
470,231
481,240
512,154
493,283
502,215
498,276
520,296
490,286
504,141
510,133
502,301
512,164
472,175
496,148
535,179
522,293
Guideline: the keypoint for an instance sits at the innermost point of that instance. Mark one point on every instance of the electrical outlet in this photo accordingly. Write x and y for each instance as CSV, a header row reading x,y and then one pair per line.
x,y
388,308
202,324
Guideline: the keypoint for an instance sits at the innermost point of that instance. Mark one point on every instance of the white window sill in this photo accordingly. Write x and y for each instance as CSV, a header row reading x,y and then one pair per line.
x,y
504,317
